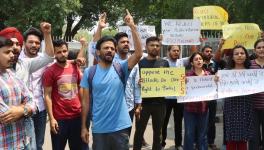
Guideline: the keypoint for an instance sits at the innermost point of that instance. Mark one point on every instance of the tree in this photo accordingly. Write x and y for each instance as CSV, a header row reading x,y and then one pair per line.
x,y
27,13
87,15
152,11
83,14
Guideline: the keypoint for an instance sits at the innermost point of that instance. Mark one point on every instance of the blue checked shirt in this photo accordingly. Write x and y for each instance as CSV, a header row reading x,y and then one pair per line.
x,y
13,92
132,87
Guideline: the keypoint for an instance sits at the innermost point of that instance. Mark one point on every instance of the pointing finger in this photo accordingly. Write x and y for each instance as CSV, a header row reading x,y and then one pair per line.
x,y
128,13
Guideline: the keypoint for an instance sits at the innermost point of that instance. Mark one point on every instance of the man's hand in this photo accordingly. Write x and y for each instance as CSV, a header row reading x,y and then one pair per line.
x,y
102,21
85,135
13,114
83,42
138,111
80,61
222,42
129,19
54,127
140,81
45,27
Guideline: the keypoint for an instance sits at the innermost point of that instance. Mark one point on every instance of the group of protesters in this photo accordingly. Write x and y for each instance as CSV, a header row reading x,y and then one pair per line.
x,y
38,80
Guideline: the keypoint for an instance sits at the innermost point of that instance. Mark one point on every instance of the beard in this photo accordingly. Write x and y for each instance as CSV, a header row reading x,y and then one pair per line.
x,y
124,50
33,51
154,54
173,57
107,58
207,58
61,60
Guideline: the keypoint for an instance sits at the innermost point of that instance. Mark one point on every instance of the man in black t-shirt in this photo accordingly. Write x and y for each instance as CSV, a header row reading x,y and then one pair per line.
x,y
154,107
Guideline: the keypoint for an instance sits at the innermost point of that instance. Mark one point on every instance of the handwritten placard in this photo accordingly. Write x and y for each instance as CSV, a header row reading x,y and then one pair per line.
x,y
240,82
211,17
181,31
199,88
144,33
241,33
160,82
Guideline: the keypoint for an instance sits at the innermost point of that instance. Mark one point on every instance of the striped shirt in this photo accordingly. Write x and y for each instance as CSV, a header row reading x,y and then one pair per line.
x,y
13,92
258,99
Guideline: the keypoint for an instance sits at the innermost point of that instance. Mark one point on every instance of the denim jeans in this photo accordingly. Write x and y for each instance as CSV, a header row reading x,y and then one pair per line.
x,y
118,140
40,126
30,132
70,130
195,123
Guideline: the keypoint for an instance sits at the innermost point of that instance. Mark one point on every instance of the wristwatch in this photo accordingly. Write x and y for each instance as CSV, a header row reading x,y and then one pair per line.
x,y
25,112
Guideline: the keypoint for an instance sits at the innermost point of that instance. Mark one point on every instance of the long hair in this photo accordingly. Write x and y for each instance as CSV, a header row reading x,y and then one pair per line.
x,y
231,62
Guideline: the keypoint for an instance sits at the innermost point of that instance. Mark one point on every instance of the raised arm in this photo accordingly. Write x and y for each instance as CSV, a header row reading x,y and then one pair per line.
x,y
135,57
82,58
46,30
218,54
100,27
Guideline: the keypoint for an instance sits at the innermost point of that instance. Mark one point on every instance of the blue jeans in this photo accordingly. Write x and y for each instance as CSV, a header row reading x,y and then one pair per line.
x,y
40,126
118,140
70,130
195,123
30,132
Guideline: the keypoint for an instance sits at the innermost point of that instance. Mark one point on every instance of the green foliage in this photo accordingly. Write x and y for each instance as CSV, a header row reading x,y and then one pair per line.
x,y
152,11
83,14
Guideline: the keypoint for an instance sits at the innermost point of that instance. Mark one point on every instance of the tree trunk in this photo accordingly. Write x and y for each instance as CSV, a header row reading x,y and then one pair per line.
x,y
67,34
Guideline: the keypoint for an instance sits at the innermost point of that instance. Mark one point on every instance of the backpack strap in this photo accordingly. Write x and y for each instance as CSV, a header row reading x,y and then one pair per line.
x,y
91,74
92,70
120,72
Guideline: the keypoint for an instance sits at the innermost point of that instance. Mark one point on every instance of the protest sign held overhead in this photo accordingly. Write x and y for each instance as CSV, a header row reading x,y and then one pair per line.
x,y
181,31
240,34
211,17
144,33
160,82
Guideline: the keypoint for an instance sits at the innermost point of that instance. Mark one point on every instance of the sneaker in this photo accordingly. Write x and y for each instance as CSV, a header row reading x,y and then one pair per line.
x,y
212,146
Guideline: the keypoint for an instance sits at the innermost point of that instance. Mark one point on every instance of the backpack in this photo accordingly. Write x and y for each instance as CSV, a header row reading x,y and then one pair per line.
x,y
91,74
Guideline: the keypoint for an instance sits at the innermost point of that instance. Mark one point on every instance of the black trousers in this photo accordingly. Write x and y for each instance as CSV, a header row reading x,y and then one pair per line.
x,y
211,121
157,113
178,116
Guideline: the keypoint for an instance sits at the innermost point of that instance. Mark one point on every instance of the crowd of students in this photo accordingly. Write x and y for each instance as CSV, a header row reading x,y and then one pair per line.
x,y
106,96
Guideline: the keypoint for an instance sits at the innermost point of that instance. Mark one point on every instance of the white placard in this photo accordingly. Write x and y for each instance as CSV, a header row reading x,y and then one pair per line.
x,y
144,33
240,82
181,31
199,88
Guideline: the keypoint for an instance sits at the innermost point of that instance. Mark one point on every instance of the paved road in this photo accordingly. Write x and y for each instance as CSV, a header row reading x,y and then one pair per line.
x,y
148,136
